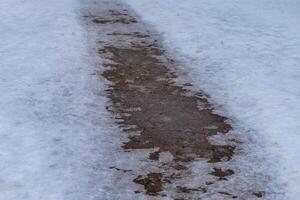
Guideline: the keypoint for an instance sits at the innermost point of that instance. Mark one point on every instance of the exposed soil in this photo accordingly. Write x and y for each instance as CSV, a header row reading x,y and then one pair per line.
x,y
133,34
152,183
258,194
229,195
114,21
156,112
222,174
116,17
181,189
154,155
169,118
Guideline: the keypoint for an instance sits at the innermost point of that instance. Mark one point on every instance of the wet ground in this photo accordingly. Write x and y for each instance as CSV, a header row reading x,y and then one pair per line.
x,y
171,119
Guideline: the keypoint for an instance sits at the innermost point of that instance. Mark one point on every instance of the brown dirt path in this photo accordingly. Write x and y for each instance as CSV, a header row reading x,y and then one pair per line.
x,y
154,111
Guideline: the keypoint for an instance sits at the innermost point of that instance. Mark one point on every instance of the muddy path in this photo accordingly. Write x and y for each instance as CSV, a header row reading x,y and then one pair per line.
x,y
171,119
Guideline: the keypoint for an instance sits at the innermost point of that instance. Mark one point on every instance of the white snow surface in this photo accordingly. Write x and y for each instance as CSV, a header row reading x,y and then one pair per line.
x,y
246,55
57,139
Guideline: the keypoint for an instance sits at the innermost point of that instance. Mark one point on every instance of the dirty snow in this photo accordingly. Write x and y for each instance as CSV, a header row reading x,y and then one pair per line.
x,y
246,55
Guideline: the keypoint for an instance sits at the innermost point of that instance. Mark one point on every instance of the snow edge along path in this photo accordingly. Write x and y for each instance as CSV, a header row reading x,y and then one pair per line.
x,y
245,55
57,139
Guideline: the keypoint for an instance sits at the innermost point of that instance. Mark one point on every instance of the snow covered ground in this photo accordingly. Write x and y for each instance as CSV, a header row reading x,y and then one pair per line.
x,y
246,55
57,140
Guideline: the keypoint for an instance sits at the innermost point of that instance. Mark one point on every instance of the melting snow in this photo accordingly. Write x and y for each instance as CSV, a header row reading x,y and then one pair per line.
x,y
246,55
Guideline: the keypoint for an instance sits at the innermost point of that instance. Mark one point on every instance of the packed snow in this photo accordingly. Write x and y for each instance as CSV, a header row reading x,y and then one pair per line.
x,y
246,55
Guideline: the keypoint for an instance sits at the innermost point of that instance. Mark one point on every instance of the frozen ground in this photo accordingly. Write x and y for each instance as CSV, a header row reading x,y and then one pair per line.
x,y
246,55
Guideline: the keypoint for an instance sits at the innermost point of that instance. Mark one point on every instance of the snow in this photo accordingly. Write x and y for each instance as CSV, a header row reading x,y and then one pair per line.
x,y
246,55
57,139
